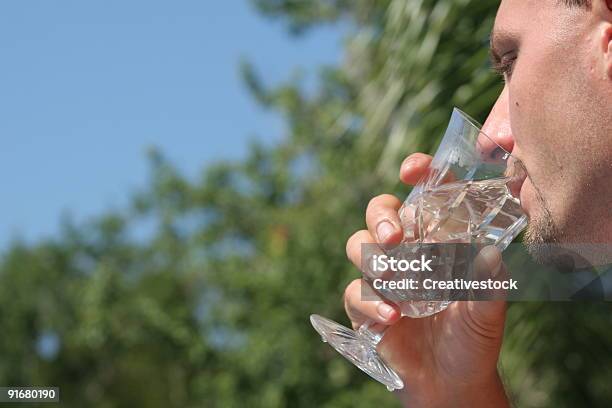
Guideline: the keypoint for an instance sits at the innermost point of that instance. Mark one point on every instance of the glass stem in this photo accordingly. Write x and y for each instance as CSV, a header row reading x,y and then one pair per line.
x,y
365,332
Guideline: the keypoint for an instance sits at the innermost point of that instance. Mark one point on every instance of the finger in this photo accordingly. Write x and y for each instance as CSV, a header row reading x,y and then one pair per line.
x,y
361,244
383,220
374,308
489,315
488,264
414,168
417,166
354,246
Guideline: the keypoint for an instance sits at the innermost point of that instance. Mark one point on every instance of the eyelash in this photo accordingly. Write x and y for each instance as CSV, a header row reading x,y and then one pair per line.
x,y
504,67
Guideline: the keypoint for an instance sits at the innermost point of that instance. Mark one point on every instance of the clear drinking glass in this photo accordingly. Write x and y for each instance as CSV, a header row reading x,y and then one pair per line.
x,y
469,195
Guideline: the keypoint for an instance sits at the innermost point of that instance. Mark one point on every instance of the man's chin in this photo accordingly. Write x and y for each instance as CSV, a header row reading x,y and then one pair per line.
x,y
542,240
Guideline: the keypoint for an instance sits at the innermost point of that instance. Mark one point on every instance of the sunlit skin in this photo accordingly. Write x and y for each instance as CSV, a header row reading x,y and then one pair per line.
x,y
555,116
558,106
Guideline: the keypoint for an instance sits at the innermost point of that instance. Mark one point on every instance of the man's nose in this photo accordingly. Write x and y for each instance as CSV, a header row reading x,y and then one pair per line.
x,y
497,125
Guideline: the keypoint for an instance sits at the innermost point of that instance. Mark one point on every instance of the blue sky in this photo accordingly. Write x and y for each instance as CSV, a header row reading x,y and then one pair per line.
x,y
87,86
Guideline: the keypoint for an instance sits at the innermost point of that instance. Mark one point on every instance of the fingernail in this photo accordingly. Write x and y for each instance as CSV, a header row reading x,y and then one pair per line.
x,y
496,270
384,230
385,311
408,164
494,259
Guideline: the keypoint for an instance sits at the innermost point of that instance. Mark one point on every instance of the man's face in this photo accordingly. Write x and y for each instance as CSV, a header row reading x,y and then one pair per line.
x,y
556,108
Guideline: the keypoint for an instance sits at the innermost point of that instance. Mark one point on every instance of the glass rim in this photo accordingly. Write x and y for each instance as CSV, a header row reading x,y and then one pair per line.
x,y
476,125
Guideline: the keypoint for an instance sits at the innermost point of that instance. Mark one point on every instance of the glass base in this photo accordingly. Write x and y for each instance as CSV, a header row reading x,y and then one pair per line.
x,y
359,348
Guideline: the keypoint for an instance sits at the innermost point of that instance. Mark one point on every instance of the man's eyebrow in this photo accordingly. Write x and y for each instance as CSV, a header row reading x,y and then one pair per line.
x,y
498,38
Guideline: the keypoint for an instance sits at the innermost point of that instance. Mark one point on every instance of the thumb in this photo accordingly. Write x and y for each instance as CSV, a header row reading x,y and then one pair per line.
x,y
489,306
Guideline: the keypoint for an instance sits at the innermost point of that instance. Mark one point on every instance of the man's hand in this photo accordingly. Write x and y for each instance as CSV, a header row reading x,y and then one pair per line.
x,y
445,360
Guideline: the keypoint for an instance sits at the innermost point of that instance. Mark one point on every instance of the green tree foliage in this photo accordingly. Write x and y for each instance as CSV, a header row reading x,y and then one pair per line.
x,y
211,309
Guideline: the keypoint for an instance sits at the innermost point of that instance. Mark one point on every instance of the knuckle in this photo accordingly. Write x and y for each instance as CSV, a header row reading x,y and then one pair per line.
x,y
419,156
354,240
372,204
380,203
349,293
387,198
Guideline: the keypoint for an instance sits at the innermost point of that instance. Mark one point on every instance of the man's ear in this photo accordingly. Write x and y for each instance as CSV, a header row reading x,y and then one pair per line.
x,y
603,3
606,42
603,8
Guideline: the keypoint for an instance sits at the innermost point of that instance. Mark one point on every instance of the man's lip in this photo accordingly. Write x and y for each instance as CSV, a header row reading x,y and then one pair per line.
x,y
517,175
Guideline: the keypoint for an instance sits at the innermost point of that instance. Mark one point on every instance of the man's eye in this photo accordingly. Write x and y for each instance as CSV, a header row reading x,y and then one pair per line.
x,y
504,66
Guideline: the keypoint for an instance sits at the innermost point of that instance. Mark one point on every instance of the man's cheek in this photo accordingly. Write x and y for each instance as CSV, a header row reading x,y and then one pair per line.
x,y
516,108
528,96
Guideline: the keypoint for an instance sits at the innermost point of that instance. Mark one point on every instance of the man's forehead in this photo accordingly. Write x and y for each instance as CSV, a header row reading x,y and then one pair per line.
x,y
505,30
511,14
514,16
518,6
